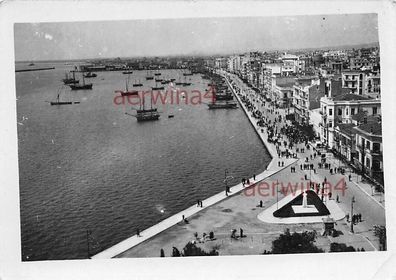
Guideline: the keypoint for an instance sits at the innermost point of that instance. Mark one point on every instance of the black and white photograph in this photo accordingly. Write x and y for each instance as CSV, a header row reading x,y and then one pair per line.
x,y
200,137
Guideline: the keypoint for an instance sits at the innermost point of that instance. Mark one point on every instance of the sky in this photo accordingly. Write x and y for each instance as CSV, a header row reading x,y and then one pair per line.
x,y
196,36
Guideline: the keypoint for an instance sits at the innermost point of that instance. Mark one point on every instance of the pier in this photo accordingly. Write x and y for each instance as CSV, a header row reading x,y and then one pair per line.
x,y
34,69
154,230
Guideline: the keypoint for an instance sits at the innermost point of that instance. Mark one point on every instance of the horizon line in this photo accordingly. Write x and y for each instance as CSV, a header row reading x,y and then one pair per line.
x,y
202,54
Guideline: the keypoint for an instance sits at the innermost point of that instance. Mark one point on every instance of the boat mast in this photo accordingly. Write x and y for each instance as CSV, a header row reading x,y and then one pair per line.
x,y
151,100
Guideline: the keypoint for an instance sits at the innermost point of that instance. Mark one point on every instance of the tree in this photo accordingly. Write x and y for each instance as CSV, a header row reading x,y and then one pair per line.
x,y
295,243
380,232
175,252
192,250
341,247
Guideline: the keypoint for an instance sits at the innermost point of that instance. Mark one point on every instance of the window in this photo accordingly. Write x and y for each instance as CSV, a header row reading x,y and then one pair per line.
x,y
376,147
346,111
353,111
374,110
339,111
330,112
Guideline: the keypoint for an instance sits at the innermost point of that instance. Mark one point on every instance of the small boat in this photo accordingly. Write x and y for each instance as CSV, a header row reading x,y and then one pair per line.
x,y
81,86
149,76
31,64
158,80
128,92
127,72
90,75
137,84
58,102
158,88
170,116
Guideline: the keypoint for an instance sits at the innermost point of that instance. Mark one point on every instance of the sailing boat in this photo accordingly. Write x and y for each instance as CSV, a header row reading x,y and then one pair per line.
x,y
67,80
147,114
157,87
149,77
81,86
90,75
128,92
58,102
185,83
137,84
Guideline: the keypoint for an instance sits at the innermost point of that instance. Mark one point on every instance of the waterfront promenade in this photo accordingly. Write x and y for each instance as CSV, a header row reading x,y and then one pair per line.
x,y
221,215
271,169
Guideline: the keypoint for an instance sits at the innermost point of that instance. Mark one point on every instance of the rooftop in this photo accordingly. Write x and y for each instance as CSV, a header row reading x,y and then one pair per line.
x,y
349,97
371,127
346,128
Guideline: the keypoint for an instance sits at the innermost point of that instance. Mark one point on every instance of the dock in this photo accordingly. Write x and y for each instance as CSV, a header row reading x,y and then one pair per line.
x,y
34,69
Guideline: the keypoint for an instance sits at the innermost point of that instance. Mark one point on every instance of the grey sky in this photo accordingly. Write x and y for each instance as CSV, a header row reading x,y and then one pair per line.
x,y
75,40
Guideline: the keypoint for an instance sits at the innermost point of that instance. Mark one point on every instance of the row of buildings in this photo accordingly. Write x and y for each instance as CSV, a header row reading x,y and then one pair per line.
x,y
337,93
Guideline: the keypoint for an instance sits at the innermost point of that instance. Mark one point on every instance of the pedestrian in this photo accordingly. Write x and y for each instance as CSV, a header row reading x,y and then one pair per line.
x,y
350,177
254,177
338,198
241,232
137,232
347,217
201,203
360,217
301,167
198,203
261,204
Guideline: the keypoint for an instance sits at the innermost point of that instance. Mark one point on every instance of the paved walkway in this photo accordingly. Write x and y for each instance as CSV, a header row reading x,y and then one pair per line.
x,y
177,218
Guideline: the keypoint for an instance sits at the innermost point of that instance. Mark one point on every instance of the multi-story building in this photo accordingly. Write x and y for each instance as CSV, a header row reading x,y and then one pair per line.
x,y
307,92
344,140
340,109
372,87
282,91
368,139
353,81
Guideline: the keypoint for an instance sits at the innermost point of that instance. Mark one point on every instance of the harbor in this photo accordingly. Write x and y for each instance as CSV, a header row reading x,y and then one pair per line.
x,y
119,172
124,246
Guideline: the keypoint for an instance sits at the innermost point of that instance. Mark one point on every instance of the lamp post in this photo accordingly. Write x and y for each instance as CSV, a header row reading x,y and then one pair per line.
x,y
352,202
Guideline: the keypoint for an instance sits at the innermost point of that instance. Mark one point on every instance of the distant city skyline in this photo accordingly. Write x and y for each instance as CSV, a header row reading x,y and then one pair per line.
x,y
186,37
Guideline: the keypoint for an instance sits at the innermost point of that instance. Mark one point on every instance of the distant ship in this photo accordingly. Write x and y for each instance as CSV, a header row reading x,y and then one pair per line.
x,y
67,80
147,114
90,75
127,72
128,92
225,105
149,76
81,86
58,102
137,84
